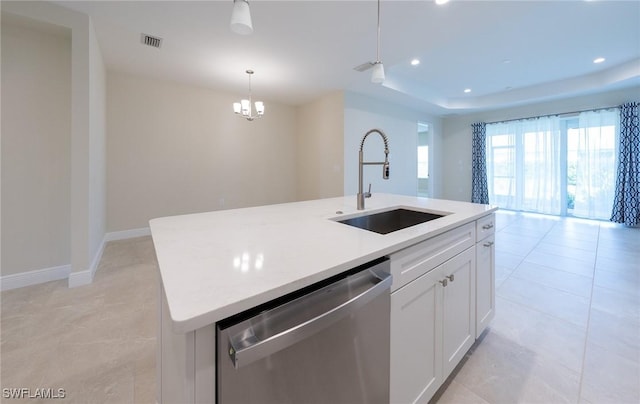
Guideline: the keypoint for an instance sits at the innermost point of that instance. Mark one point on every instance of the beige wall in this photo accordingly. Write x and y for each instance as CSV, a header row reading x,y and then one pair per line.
x,y
320,147
457,133
175,149
36,142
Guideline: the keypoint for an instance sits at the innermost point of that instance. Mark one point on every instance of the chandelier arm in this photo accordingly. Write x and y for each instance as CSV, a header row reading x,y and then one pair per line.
x,y
247,112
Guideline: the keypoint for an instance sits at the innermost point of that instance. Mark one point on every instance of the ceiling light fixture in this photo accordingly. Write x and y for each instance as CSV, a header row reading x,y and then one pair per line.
x,y
377,76
439,2
241,18
598,60
467,90
243,108
415,62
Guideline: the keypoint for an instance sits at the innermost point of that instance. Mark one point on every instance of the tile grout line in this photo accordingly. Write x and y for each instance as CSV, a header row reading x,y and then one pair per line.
x,y
540,238
540,311
586,336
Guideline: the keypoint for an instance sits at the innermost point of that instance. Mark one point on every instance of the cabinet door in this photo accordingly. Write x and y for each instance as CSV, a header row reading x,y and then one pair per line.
x,y
416,338
459,308
485,283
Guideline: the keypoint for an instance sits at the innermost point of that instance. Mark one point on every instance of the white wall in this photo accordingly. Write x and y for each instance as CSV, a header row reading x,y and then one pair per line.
x,y
97,150
457,133
36,142
87,138
175,149
400,124
320,147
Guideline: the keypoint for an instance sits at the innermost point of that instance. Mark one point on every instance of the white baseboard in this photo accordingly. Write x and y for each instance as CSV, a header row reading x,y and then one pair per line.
x,y
80,278
124,234
75,279
85,277
29,278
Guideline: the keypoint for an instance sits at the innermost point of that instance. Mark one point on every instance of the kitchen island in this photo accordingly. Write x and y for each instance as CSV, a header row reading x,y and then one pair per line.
x,y
217,264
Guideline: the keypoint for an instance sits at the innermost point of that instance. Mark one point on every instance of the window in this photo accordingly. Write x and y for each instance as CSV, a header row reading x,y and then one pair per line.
x,y
423,162
424,138
554,165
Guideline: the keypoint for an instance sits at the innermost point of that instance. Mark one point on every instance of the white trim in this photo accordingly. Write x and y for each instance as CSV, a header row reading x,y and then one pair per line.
x,y
85,277
75,279
80,278
124,234
35,277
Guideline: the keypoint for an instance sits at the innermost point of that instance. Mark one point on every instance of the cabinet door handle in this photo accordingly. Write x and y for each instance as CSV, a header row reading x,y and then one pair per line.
x,y
444,283
487,226
488,244
450,277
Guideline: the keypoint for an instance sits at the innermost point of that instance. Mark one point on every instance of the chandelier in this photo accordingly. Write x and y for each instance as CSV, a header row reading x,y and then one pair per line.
x,y
244,108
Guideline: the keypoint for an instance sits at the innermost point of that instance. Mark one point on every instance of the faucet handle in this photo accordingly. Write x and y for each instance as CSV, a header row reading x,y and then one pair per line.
x,y
368,193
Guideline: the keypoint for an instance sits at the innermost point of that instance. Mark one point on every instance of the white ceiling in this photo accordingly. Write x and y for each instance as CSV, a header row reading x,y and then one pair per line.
x,y
507,52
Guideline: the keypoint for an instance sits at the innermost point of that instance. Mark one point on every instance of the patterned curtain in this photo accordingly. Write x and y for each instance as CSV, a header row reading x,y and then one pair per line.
x,y
479,190
626,205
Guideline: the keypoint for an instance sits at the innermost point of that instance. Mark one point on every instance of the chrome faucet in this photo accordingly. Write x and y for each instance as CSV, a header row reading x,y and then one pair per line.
x,y
361,162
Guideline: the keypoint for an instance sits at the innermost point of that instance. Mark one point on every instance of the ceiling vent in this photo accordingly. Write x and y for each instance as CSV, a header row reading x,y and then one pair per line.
x,y
152,41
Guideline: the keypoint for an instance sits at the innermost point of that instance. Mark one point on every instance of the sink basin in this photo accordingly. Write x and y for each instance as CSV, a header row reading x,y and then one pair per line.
x,y
392,220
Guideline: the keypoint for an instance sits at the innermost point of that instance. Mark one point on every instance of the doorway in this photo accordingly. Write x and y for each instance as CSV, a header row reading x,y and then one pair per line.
x,y
424,160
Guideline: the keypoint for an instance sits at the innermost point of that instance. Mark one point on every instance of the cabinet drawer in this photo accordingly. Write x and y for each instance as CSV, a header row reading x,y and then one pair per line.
x,y
485,226
414,261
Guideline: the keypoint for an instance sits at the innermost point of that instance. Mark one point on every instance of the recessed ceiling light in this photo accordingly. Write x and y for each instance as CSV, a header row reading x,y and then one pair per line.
x,y
598,60
467,90
415,62
442,1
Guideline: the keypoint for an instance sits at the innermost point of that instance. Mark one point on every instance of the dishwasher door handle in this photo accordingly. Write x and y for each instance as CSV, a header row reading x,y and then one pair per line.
x,y
256,342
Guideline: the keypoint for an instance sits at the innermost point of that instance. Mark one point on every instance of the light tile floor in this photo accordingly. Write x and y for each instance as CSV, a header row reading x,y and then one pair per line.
x,y
567,326
97,342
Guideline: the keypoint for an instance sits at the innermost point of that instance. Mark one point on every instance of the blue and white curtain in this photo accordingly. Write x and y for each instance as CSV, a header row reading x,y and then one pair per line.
x,y
479,190
626,205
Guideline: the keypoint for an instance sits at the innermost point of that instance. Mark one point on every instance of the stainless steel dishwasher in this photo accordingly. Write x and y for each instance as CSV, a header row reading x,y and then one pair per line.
x,y
328,343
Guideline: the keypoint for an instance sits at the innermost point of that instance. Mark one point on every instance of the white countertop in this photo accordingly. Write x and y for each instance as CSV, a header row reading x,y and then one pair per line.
x,y
217,264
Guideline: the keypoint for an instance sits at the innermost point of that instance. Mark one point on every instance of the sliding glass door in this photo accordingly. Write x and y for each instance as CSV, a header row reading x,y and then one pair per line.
x,y
591,158
554,165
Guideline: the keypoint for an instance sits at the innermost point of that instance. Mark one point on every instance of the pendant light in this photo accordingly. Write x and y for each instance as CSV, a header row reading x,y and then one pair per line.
x,y
377,76
241,18
244,107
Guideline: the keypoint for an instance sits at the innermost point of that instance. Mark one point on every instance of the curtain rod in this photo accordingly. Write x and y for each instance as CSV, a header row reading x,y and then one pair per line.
x,y
561,114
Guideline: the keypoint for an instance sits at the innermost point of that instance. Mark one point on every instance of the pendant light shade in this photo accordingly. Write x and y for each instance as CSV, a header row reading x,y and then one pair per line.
x,y
377,76
241,18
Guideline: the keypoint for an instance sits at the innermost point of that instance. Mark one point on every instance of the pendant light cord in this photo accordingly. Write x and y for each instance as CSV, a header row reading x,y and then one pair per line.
x,y
378,43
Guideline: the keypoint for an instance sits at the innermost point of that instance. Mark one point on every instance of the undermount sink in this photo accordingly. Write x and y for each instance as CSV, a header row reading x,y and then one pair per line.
x,y
391,220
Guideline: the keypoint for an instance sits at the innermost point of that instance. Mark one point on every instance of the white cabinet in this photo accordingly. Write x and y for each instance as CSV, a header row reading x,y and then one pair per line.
x,y
459,308
443,297
416,338
485,273
412,262
432,327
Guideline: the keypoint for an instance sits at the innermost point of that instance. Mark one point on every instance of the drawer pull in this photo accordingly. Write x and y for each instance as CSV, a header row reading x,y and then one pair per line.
x,y
489,244
487,226
444,283
450,277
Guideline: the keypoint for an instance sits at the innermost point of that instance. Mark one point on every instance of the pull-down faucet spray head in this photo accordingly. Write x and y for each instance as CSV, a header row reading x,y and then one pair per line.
x,y
385,165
